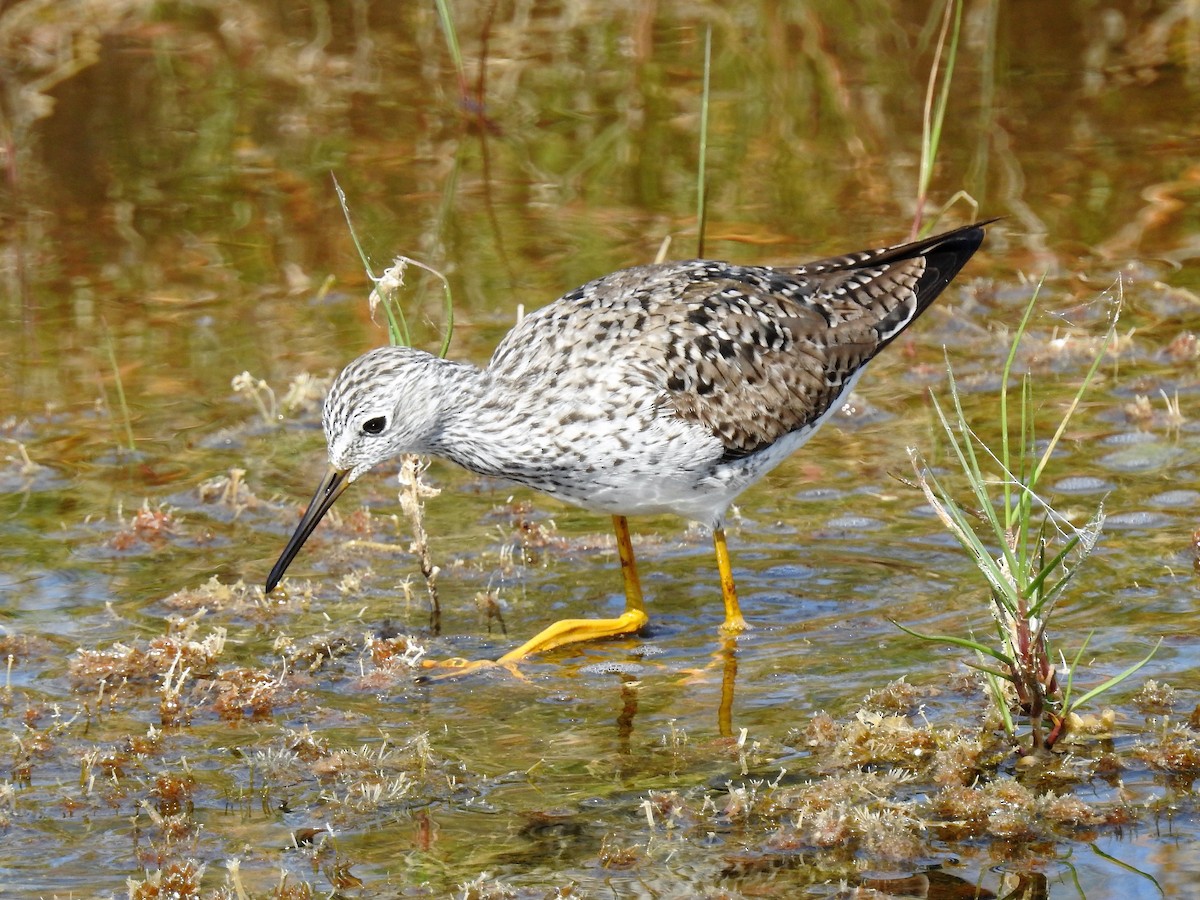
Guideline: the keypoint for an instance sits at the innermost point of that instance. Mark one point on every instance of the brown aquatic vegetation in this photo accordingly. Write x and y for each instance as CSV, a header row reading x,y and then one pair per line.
x,y
1156,699
898,697
173,793
890,785
312,654
1008,810
230,491
491,609
16,647
147,526
176,881
614,854
872,738
237,600
244,692
1185,347
393,658
1176,751
484,887
159,656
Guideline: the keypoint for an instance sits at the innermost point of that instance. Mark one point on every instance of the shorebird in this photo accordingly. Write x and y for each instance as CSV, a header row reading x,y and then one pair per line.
x,y
660,388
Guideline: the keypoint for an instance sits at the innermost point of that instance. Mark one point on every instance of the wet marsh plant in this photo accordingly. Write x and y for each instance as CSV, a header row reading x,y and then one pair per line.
x,y
937,100
1027,552
261,393
413,491
119,387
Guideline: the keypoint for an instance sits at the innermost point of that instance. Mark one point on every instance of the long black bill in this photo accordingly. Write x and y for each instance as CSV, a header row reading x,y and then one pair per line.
x,y
330,489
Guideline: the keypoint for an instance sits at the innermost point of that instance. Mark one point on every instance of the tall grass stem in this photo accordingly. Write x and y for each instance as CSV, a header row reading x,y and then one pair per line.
x,y
702,165
127,421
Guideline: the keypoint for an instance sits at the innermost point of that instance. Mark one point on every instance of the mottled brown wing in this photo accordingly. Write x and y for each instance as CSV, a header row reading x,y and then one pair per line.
x,y
759,353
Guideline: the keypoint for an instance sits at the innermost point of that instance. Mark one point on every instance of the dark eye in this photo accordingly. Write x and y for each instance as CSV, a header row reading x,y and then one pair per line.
x,y
374,426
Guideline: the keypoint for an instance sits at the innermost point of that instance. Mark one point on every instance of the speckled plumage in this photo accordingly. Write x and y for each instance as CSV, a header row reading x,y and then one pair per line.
x,y
662,388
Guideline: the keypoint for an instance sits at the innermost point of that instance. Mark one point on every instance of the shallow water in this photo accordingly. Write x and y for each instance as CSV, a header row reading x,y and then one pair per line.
x,y
169,223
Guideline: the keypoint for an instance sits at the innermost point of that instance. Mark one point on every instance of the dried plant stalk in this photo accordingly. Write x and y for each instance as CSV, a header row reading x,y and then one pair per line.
x,y
413,493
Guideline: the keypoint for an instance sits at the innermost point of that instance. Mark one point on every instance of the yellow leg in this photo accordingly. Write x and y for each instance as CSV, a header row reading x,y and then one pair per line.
x,y
734,623
574,631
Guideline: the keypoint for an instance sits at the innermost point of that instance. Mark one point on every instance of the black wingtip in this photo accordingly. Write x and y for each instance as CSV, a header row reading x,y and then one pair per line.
x,y
960,243
945,255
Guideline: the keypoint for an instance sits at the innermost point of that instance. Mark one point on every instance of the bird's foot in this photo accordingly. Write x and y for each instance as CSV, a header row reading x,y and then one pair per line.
x,y
578,631
735,625
560,634
458,667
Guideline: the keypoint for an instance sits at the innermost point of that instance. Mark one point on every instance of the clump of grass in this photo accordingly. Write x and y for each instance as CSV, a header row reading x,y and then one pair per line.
x,y
1027,552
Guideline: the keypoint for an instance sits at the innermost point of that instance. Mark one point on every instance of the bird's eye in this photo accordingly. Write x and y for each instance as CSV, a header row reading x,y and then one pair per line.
x,y
374,426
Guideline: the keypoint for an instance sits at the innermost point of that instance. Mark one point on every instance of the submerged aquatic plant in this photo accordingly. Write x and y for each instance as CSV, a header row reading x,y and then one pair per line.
x,y
1027,552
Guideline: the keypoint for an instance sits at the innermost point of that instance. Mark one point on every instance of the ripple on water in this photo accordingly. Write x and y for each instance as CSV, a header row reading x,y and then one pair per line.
x,y
1136,520
1124,438
818,495
1083,484
613,667
854,523
1180,499
787,571
1140,458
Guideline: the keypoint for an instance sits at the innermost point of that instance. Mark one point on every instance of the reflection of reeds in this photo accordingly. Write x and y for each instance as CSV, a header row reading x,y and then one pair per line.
x,y
122,404
1039,552
447,23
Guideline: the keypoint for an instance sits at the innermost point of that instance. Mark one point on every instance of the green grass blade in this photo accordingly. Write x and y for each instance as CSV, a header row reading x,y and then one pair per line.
x,y
1028,443
448,303
398,333
701,167
1036,584
1001,703
362,255
1068,689
126,419
955,642
952,517
965,452
1116,679
451,34
1005,377
935,112
1128,868
988,670
1087,380
449,309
